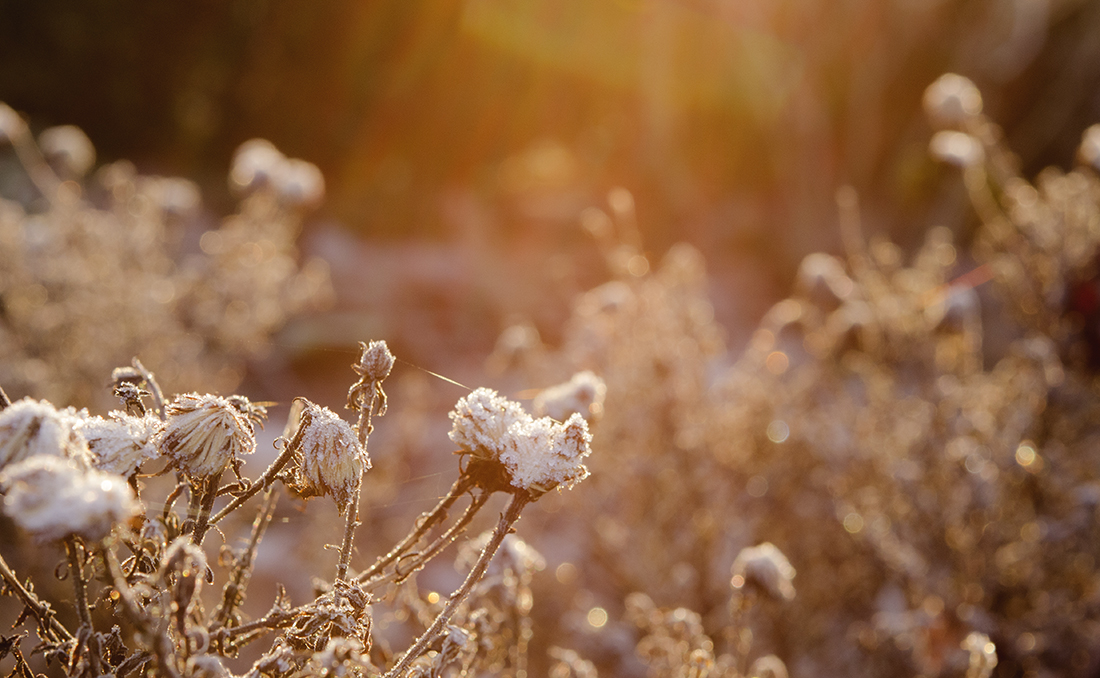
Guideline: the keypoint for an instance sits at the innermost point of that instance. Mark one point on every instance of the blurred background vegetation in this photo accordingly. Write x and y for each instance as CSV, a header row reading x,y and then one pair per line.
x,y
733,123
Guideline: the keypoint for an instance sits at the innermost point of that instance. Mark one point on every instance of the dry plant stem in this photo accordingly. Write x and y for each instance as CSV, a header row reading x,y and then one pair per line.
x,y
206,496
154,387
234,591
349,533
425,523
263,481
75,550
39,609
441,542
504,526
156,638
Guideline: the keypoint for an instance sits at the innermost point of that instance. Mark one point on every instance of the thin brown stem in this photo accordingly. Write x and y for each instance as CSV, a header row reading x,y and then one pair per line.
x,y
155,634
207,495
349,533
233,594
41,610
503,528
423,525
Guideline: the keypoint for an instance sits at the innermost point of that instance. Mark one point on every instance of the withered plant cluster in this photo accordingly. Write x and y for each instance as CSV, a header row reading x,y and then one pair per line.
x,y
897,478
97,269
137,567
914,435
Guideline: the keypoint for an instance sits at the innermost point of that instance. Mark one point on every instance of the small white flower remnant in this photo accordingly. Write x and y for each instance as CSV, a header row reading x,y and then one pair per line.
x,y
204,433
53,498
120,443
30,428
764,567
952,100
583,394
331,460
538,454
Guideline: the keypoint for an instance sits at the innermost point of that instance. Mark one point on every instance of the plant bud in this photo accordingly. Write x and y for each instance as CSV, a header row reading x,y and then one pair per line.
x,y
30,428
331,460
53,498
205,433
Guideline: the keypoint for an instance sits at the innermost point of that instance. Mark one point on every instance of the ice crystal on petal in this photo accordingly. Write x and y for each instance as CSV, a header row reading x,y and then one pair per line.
x,y
120,443
482,421
332,460
52,498
30,428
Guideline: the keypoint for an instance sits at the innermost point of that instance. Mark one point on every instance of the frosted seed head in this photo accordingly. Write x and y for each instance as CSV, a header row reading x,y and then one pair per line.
x,y
300,184
203,434
31,427
52,498
256,164
766,569
331,460
481,420
541,454
11,124
121,443
952,100
583,394
68,149
956,148
1089,150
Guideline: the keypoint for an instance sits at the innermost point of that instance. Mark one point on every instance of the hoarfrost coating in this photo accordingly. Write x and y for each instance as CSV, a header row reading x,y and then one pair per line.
x,y
30,428
53,498
332,460
204,434
121,443
538,453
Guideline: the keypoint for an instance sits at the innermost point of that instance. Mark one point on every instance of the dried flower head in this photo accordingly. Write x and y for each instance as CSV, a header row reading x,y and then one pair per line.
x,y
375,363
952,100
256,164
52,498
1089,150
481,421
31,427
331,459
765,568
11,124
956,148
205,433
121,443
583,394
538,454
68,149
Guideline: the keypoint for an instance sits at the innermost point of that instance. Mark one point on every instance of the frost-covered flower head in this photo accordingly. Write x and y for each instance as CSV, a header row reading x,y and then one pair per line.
x,y
764,567
120,443
583,394
53,498
952,100
31,427
537,454
205,433
331,460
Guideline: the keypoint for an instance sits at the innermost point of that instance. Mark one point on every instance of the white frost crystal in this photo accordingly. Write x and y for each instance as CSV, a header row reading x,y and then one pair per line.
x,y
52,498
29,428
332,460
204,433
120,443
538,453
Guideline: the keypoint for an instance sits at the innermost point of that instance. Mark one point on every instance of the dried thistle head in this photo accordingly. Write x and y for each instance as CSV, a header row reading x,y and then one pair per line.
x,y
375,363
203,434
53,498
30,428
536,454
764,568
330,458
952,100
121,443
